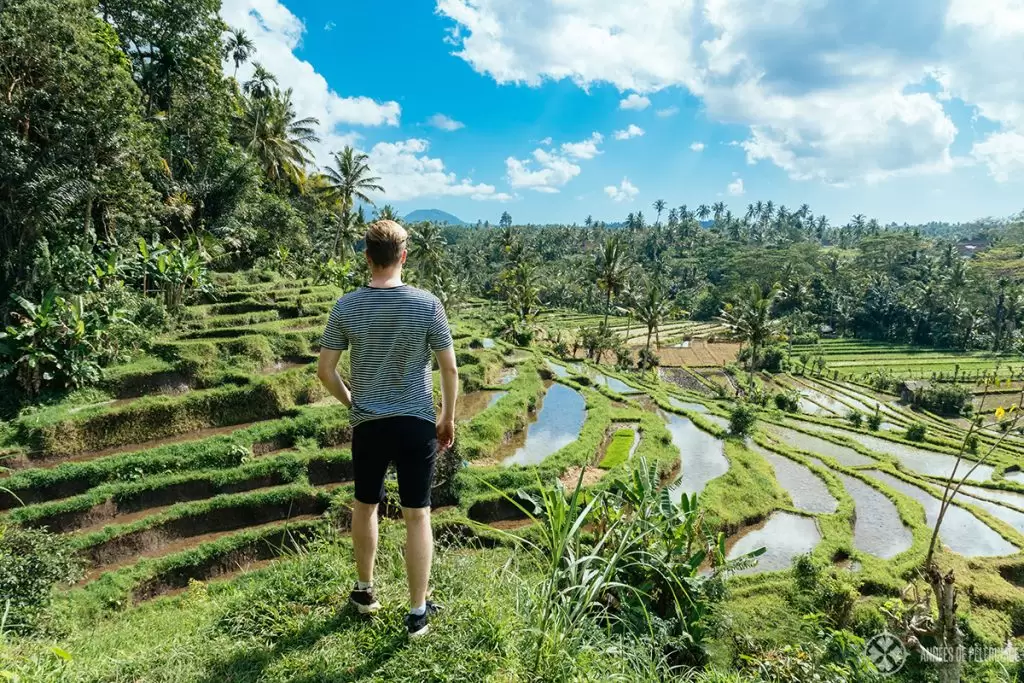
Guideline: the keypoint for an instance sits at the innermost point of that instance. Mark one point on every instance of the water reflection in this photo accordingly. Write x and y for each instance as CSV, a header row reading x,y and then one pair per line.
x,y
961,531
558,424
701,455
784,536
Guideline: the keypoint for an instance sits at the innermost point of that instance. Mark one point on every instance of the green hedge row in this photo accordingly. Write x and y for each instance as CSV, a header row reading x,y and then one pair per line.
x,y
156,418
228,512
108,501
328,426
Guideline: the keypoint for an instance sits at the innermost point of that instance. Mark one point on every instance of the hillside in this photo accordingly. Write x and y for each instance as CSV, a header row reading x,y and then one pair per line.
x,y
434,216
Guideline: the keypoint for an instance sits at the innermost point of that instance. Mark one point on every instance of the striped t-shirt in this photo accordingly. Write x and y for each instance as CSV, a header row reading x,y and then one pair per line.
x,y
392,334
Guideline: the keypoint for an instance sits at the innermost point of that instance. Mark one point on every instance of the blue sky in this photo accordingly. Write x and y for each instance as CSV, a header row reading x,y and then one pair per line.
x,y
907,114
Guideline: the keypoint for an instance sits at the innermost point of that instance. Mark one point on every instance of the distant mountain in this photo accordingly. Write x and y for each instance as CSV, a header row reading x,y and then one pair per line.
x,y
434,216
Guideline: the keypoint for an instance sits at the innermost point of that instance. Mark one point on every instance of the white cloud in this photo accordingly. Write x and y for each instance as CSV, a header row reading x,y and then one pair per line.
x,y
697,147
546,141
829,89
585,149
406,172
667,112
1003,153
635,102
735,188
633,131
277,34
445,123
625,192
330,26
554,171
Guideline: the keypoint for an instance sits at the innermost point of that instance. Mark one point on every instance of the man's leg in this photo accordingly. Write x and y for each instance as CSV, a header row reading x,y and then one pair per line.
x,y
419,553
364,540
415,476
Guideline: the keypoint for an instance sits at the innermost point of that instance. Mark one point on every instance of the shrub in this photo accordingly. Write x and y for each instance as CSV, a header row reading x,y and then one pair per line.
x,y
875,421
648,359
32,561
916,432
50,345
972,443
742,419
788,401
855,419
944,399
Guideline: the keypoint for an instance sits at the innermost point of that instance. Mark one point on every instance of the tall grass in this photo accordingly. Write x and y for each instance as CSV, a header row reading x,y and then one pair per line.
x,y
622,565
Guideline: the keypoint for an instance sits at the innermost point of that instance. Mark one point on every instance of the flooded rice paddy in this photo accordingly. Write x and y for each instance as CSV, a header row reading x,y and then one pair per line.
x,y
559,422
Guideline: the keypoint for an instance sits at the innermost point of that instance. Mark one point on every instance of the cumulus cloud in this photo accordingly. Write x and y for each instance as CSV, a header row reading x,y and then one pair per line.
x,y
585,149
551,173
546,141
697,147
633,131
667,112
625,192
1003,153
277,33
446,123
635,102
406,172
829,89
736,187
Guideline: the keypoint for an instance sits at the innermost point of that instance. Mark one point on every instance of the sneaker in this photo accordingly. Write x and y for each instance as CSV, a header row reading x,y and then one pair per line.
x,y
364,600
419,624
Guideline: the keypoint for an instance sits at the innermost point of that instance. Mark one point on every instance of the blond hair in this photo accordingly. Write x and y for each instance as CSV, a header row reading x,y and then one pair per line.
x,y
385,241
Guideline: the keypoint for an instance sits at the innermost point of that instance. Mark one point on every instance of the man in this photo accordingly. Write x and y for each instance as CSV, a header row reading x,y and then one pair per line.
x,y
392,329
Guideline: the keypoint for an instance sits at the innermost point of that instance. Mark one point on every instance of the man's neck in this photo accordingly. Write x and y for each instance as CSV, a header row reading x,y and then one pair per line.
x,y
386,279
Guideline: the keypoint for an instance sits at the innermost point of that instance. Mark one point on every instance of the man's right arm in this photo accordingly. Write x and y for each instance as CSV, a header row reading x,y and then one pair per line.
x,y
449,396
327,371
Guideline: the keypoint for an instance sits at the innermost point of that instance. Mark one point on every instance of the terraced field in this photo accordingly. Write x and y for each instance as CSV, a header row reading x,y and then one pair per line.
x,y
220,451
856,358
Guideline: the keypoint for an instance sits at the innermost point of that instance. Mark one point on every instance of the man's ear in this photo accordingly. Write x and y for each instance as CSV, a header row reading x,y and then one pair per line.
x,y
405,255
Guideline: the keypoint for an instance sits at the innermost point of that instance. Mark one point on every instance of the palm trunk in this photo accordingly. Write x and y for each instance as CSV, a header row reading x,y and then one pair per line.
x,y
607,307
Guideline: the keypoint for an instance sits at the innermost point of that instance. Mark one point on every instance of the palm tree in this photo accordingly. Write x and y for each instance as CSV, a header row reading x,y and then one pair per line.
x,y
703,212
261,84
276,138
651,309
751,210
750,320
427,248
239,47
386,213
659,206
347,181
611,272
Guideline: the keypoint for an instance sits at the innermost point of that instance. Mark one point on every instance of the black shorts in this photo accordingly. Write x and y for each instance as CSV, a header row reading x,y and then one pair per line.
x,y
410,443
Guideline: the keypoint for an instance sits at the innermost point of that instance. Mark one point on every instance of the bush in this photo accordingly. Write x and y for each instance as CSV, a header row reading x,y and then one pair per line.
x,y
32,562
742,419
875,421
972,443
916,432
648,360
50,345
788,401
855,419
944,399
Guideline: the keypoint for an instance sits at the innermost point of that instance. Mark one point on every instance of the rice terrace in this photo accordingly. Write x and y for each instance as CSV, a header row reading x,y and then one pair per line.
x,y
721,442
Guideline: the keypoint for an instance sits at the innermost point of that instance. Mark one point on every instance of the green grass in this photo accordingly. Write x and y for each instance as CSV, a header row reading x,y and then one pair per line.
x,y
618,448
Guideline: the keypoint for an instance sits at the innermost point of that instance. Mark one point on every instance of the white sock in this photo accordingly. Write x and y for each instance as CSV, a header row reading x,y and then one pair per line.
x,y
364,585
419,611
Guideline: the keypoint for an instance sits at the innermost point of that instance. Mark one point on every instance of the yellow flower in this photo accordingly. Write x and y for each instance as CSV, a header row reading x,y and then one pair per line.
x,y
1000,413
